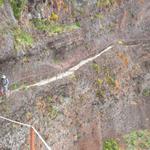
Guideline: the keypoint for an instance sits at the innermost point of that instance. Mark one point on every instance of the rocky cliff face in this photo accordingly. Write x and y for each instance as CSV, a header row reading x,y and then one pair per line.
x,y
106,98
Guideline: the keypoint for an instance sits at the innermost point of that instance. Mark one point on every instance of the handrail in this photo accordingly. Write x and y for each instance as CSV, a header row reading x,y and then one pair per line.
x,y
29,126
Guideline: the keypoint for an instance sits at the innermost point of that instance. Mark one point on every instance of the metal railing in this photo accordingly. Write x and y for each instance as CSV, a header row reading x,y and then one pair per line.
x,y
32,131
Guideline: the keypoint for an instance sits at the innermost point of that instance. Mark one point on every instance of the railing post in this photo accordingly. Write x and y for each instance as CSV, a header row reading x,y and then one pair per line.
x,y
32,139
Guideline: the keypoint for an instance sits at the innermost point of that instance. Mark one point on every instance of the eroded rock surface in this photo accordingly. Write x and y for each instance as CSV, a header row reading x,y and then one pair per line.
x,y
105,98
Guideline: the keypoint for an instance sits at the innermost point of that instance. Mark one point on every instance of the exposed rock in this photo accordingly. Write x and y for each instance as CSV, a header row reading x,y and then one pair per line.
x,y
106,98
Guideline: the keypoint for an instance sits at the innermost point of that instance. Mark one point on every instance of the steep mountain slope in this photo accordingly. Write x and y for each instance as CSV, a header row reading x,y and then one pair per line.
x,y
105,98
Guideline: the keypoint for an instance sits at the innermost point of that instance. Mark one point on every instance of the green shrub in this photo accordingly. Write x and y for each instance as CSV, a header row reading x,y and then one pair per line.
x,y
14,86
110,80
52,112
99,82
110,144
1,2
146,92
53,27
138,140
101,93
105,3
96,67
21,38
53,17
49,99
78,24
18,6
40,24
99,16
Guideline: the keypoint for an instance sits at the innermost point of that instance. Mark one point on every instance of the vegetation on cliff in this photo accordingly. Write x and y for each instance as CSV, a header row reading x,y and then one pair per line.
x,y
105,3
1,2
53,27
22,39
135,140
138,140
110,144
18,6
146,92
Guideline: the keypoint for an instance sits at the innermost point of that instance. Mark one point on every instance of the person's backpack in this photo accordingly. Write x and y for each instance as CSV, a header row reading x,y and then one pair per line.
x,y
1,92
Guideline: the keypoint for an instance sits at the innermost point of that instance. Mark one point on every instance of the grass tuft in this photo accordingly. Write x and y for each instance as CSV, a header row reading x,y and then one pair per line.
x,y
53,27
22,39
110,144
18,6
1,2
146,92
138,140
105,3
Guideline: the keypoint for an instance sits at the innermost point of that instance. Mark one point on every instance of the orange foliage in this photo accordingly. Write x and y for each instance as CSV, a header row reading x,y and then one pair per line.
x,y
59,4
117,85
142,1
123,58
66,8
118,2
41,105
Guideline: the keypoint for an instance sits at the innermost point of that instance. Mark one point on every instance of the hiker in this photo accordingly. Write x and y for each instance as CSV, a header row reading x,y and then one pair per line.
x,y
4,85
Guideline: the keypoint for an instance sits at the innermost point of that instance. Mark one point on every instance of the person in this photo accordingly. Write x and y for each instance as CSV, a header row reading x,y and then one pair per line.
x,y
4,85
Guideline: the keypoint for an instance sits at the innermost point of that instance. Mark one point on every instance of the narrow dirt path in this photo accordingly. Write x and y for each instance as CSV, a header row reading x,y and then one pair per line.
x,y
66,73
80,64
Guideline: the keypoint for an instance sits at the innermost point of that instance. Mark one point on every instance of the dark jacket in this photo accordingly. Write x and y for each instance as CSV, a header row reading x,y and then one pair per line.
x,y
4,82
